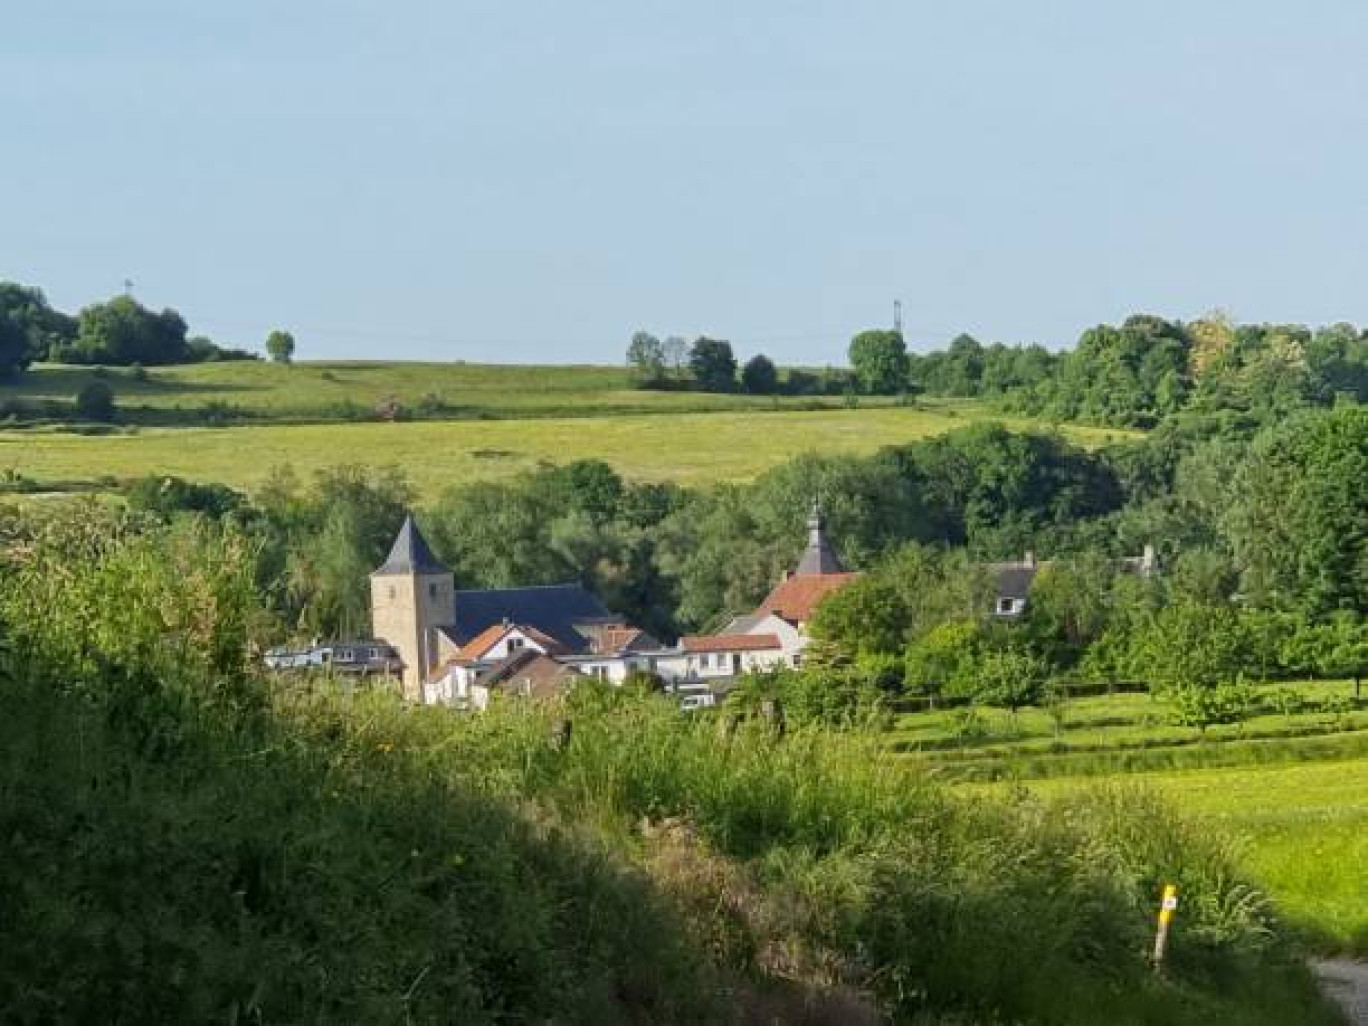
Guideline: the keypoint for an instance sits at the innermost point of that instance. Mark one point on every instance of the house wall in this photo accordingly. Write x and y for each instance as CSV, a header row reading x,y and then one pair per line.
x,y
454,687
792,640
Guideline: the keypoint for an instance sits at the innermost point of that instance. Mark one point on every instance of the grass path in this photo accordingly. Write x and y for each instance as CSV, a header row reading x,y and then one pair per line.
x,y
691,448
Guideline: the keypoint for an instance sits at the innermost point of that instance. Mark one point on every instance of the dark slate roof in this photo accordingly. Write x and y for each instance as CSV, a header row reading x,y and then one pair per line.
x,y
410,553
819,557
553,609
1013,580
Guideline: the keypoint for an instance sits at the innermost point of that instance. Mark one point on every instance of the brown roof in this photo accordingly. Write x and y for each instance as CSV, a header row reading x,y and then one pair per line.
x,y
530,673
796,598
728,642
607,638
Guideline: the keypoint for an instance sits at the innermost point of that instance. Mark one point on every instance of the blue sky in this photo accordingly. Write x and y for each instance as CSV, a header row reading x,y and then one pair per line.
x,y
533,181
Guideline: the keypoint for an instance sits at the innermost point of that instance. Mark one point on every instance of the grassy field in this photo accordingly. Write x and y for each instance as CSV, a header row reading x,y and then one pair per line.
x,y
1302,832
338,390
691,448
1294,796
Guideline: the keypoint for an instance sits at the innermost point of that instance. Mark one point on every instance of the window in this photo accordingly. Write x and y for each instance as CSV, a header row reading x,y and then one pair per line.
x,y
432,591
516,643
1009,606
391,592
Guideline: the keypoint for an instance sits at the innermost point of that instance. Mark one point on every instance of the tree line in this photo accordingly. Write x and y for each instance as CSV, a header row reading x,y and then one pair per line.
x,y
1129,375
118,332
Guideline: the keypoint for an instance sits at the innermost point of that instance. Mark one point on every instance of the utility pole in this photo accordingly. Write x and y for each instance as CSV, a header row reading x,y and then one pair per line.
x,y
128,287
897,316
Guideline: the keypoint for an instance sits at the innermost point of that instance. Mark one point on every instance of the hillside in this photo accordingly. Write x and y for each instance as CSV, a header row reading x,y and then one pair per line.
x,y
494,422
343,390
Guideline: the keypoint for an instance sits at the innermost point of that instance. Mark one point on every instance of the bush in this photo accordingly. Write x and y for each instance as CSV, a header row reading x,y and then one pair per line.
x,y
1202,707
95,402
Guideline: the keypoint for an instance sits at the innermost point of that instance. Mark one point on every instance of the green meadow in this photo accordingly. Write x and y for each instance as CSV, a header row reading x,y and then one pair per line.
x,y
494,422
1290,790
327,390
1300,831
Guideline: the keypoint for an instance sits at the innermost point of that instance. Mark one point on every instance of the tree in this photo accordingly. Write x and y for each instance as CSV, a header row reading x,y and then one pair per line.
x,y
280,346
676,351
14,349
1068,608
29,328
123,331
759,376
1008,678
879,359
713,364
940,658
646,358
1297,515
866,617
1192,646
95,402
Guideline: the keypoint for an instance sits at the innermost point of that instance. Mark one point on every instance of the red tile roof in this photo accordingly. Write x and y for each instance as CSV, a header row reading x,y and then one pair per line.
x,y
478,646
797,598
729,642
484,641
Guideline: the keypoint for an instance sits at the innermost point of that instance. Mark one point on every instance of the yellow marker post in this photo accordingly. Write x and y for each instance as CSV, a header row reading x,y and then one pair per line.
x,y
1167,907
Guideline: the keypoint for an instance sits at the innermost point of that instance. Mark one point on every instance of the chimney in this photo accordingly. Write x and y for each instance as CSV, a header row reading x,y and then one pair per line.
x,y
1149,562
1030,559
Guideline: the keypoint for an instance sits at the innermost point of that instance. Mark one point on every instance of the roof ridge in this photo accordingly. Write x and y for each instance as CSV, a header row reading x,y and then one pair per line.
x,y
522,587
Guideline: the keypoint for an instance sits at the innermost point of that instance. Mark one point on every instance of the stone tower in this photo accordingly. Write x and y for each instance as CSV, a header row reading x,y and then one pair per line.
x,y
411,594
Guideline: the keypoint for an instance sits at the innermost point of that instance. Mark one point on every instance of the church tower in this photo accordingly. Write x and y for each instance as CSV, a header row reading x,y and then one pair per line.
x,y
819,558
411,594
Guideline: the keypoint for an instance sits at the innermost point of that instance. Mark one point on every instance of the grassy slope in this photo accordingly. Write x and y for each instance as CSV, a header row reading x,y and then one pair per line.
x,y
692,448
315,389
1303,831
1302,825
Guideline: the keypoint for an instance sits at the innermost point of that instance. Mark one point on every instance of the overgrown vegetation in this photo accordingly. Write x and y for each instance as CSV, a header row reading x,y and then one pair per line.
x,y
183,843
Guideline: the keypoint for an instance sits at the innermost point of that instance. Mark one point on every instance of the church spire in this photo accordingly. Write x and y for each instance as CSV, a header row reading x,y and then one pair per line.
x,y
411,554
819,557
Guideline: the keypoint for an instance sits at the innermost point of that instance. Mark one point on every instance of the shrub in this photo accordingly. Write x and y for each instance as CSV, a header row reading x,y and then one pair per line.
x,y
95,401
1202,707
